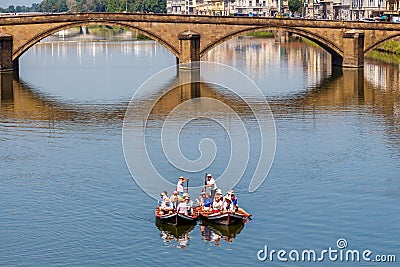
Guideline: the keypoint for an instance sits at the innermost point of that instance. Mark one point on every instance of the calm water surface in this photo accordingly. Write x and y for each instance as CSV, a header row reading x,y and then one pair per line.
x,y
67,197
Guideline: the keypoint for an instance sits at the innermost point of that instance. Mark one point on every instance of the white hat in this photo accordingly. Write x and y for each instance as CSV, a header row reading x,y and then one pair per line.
x,y
219,191
208,174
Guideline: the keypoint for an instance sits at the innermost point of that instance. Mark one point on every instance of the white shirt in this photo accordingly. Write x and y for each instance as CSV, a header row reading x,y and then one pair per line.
x,y
179,186
217,205
182,208
166,205
228,207
212,181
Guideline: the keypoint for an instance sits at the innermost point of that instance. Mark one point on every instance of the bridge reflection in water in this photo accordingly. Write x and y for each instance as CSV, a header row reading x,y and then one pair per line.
x,y
376,87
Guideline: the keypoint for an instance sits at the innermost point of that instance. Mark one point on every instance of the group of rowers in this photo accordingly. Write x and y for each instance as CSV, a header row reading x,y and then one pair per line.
x,y
214,202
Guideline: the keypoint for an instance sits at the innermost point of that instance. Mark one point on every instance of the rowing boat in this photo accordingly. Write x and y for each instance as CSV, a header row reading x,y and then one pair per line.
x,y
175,218
223,217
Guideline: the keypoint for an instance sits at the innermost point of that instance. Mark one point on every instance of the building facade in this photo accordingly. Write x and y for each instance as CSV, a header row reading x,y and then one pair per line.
x,y
181,6
313,9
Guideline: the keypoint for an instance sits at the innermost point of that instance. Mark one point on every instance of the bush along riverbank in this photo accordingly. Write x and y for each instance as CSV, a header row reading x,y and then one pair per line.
x,y
261,34
392,46
386,57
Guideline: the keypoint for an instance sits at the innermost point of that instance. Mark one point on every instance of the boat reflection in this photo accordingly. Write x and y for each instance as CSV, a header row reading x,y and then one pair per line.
x,y
214,233
175,235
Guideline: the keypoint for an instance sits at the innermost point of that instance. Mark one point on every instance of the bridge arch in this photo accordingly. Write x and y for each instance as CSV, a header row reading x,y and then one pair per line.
x,y
331,48
58,28
375,45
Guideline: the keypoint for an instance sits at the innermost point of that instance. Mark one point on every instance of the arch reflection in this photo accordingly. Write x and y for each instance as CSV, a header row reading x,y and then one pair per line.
x,y
377,86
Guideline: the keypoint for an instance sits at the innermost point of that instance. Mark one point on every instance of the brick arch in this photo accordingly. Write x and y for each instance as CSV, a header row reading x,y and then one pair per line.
x,y
376,44
330,47
29,43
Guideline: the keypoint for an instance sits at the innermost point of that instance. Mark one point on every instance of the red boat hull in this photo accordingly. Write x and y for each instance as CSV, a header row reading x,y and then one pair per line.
x,y
224,218
177,219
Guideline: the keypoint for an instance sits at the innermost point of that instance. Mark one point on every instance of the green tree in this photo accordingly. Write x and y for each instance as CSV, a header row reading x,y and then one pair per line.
x,y
52,6
72,6
294,5
11,9
115,6
156,6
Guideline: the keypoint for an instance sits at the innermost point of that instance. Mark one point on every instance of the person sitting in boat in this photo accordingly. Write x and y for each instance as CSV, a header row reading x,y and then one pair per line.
x,y
228,206
179,185
236,205
185,207
163,196
207,205
234,199
218,203
175,198
200,199
210,182
185,195
166,207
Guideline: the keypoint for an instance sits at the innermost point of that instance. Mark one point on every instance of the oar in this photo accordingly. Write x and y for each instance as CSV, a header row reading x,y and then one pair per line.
x,y
205,183
187,185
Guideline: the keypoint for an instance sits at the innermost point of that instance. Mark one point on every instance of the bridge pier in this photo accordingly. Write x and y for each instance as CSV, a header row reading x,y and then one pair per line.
x,y
353,47
189,83
189,44
281,36
6,88
6,46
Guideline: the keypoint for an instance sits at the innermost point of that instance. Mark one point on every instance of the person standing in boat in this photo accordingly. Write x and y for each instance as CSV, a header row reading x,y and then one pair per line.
x,y
179,185
212,184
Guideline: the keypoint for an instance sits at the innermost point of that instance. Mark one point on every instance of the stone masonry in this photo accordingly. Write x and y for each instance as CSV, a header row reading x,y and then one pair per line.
x,y
169,30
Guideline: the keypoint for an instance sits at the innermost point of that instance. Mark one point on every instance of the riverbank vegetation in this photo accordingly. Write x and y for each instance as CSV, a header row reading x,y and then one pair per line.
x,y
383,57
391,46
261,34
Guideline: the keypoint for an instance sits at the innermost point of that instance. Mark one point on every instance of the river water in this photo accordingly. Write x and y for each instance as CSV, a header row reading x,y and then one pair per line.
x,y
68,199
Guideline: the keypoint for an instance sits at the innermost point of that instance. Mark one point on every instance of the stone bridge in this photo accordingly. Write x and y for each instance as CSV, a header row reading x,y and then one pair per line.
x,y
190,37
